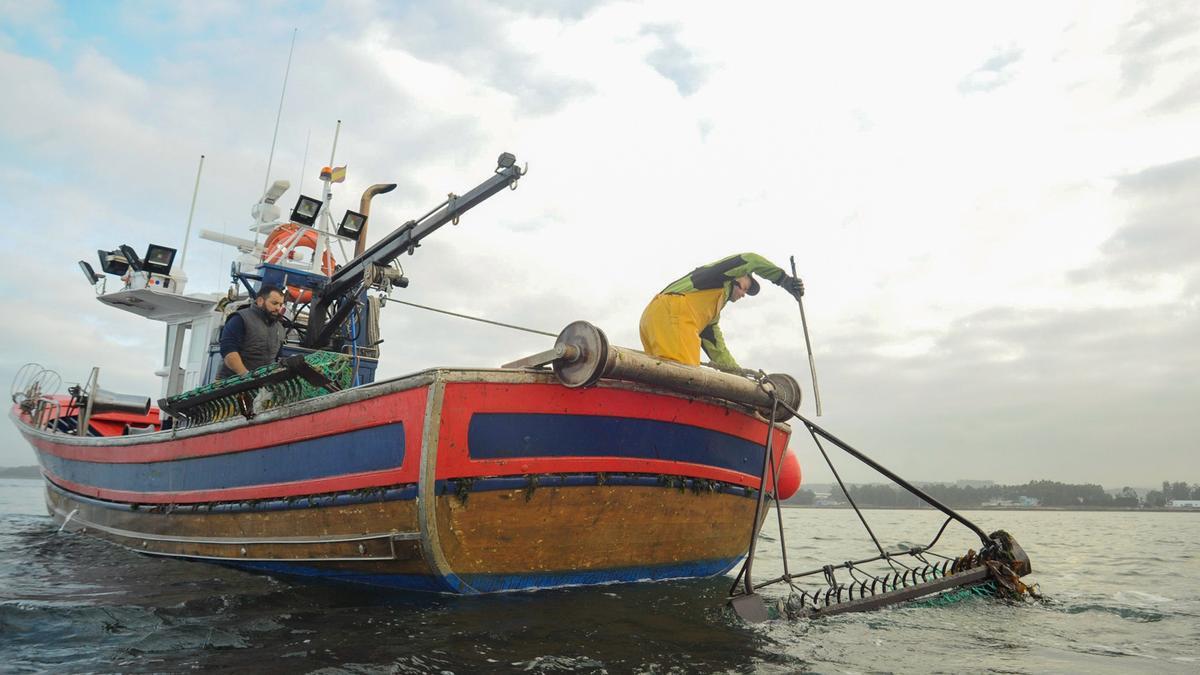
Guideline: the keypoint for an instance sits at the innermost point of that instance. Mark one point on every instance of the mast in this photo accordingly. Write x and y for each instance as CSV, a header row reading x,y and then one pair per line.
x,y
324,215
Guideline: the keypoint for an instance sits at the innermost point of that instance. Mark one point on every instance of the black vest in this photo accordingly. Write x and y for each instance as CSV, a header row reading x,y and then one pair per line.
x,y
261,342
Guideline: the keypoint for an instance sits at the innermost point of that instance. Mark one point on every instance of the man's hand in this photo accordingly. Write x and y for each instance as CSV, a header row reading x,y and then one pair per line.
x,y
792,285
234,361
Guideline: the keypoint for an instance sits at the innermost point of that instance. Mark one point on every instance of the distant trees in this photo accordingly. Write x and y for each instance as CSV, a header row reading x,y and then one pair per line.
x,y
1155,499
803,497
1176,490
1046,492
1128,498
1179,490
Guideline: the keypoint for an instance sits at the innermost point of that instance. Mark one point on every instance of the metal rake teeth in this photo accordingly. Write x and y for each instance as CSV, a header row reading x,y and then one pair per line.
x,y
801,602
291,380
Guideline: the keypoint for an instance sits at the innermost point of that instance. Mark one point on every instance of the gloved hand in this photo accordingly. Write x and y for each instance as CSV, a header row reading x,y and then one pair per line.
x,y
792,285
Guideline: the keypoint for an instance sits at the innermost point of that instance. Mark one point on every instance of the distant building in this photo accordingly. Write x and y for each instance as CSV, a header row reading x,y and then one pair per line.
x,y
1019,501
1183,503
974,483
824,499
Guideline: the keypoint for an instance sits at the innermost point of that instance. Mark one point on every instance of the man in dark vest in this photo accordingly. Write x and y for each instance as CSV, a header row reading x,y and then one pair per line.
x,y
253,336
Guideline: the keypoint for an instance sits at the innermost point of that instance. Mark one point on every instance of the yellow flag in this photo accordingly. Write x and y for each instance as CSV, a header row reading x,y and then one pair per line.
x,y
338,175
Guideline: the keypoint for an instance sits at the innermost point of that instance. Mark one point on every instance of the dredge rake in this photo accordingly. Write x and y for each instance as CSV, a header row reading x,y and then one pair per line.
x,y
293,379
898,576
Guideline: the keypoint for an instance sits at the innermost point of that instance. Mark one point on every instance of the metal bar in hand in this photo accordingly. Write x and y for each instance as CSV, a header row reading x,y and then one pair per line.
x,y
812,364
744,575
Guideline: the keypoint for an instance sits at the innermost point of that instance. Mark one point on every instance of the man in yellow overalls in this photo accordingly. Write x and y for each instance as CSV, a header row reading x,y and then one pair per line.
x,y
683,317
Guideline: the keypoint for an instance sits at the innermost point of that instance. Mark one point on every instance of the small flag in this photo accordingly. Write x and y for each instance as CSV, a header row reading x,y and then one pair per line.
x,y
338,174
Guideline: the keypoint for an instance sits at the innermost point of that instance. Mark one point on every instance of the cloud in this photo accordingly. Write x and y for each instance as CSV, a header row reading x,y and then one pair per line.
x,y
472,40
995,72
1157,36
1161,235
1024,393
674,61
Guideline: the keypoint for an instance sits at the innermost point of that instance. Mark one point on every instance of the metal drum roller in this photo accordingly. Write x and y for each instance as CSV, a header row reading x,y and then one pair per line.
x,y
582,356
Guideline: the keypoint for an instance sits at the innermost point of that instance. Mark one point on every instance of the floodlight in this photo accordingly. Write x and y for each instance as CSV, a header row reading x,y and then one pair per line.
x,y
131,257
89,273
506,160
113,262
159,259
352,225
306,210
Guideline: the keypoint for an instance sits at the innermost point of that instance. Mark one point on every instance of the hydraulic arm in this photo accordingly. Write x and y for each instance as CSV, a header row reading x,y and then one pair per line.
x,y
337,300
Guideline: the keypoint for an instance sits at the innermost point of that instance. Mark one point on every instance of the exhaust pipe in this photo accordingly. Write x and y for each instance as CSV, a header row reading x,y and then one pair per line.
x,y
364,207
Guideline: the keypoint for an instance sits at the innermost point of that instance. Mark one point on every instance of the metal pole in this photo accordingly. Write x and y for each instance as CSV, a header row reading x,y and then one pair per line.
x,y
278,116
319,250
279,113
813,428
187,236
768,462
304,162
333,152
812,366
174,374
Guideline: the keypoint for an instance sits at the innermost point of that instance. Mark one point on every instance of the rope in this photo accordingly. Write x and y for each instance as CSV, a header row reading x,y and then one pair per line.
x,y
373,335
476,318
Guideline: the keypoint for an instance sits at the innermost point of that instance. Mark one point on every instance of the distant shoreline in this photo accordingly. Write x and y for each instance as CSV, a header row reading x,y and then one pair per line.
x,y
33,473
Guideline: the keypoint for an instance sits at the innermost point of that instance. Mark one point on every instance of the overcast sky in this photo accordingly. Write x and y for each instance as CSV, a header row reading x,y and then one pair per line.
x,y
994,206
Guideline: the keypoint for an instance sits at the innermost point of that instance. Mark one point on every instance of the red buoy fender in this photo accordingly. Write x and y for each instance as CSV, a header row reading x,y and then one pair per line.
x,y
789,474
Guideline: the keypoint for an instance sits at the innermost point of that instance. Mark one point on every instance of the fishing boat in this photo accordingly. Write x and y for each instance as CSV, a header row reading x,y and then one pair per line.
x,y
587,463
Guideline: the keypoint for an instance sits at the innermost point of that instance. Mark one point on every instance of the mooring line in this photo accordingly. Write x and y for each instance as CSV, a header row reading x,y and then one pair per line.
x,y
475,318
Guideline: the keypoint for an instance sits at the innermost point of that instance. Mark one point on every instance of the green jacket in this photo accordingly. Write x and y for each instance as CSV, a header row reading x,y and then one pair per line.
x,y
721,274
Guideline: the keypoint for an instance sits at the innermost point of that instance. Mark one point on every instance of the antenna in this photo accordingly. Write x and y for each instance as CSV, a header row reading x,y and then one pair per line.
x,y
333,151
304,162
278,116
187,236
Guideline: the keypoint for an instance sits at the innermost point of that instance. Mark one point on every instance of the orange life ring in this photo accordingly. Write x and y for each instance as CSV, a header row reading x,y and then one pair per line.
x,y
277,246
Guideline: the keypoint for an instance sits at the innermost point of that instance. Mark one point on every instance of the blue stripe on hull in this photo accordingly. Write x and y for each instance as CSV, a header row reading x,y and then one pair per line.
x,y
498,583
368,496
374,449
521,435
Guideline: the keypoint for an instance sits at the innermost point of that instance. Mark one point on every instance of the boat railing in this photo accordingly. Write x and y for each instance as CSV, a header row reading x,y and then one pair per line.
x,y
42,415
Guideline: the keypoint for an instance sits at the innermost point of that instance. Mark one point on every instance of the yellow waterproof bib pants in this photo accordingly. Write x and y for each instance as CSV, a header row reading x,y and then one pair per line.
x,y
671,323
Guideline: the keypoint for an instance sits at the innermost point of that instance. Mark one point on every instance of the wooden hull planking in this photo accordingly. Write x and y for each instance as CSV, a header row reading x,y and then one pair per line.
x,y
460,481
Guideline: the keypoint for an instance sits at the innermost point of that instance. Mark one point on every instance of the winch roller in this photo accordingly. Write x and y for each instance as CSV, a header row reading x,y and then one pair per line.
x,y
582,356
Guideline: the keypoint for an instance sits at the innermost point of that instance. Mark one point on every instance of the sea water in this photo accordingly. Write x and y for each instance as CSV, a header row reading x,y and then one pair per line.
x,y
1122,595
